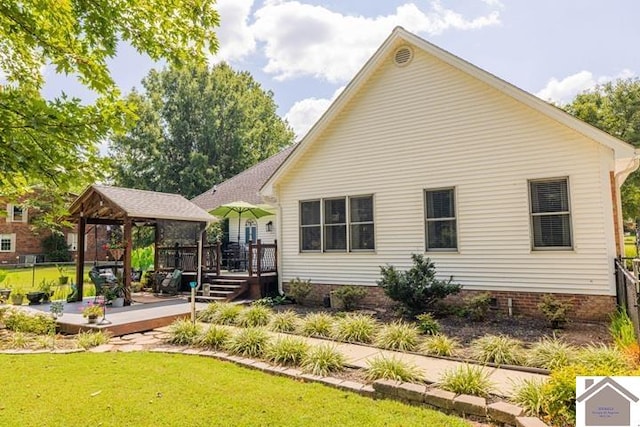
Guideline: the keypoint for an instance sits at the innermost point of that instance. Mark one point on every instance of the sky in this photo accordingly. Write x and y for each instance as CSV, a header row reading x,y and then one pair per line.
x,y
306,51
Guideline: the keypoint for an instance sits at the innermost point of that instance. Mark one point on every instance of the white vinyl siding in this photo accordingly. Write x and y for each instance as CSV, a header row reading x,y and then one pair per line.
x,y
8,242
429,126
262,231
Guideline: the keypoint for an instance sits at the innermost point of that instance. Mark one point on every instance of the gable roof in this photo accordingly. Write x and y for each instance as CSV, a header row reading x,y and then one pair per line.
x,y
626,157
101,201
244,186
607,381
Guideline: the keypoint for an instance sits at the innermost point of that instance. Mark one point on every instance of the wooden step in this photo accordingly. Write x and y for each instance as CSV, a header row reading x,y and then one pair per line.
x,y
223,289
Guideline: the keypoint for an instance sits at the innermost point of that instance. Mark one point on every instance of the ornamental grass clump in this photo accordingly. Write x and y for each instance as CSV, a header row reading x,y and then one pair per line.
x,y
184,332
284,321
92,339
551,353
467,379
440,345
288,351
392,368
397,336
355,328
254,316
317,325
227,313
622,330
249,342
498,349
215,337
598,357
209,314
19,340
322,360
529,395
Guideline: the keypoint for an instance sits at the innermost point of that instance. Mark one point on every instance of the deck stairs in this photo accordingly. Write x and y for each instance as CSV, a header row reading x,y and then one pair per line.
x,y
222,290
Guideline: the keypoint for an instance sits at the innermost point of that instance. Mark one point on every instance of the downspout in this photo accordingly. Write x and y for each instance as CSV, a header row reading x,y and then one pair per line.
x,y
618,179
279,250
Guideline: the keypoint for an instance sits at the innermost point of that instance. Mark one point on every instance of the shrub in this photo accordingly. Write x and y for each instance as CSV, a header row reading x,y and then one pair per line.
x,y
355,328
467,379
551,353
554,310
183,332
215,337
299,289
20,321
622,330
382,368
228,313
317,325
603,357
256,315
397,336
498,349
417,289
46,342
440,345
210,313
350,296
19,340
427,324
478,306
323,360
284,321
92,339
288,351
529,395
249,342
55,248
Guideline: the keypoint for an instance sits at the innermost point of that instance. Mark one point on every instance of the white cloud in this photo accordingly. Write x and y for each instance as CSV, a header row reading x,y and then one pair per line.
x,y
235,37
306,40
563,91
303,114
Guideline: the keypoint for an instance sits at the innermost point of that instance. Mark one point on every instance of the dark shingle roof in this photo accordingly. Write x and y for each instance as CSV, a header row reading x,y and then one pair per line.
x,y
243,186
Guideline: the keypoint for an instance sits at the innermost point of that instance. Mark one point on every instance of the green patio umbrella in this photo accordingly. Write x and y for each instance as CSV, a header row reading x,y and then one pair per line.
x,y
239,208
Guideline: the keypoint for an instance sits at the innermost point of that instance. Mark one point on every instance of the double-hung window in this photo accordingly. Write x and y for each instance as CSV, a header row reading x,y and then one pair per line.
x,y
440,220
310,226
550,213
335,224
362,235
16,213
7,242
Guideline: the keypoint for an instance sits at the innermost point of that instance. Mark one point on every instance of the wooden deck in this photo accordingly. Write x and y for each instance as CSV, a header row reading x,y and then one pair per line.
x,y
152,313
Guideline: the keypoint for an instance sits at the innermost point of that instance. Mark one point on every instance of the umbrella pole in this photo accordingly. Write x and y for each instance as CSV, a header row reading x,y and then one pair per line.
x,y
239,221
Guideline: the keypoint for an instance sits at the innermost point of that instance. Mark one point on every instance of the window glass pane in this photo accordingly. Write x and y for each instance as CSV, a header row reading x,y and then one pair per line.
x,y
440,204
5,244
362,236
441,234
310,213
310,238
335,211
552,231
335,237
549,196
361,209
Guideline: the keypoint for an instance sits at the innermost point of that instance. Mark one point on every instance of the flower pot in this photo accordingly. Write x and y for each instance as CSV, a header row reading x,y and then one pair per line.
x,y
92,319
35,298
4,294
116,254
63,280
117,302
17,299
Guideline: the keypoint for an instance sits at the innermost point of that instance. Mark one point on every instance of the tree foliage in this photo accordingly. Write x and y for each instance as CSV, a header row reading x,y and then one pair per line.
x,y
198,126
53,143
614,107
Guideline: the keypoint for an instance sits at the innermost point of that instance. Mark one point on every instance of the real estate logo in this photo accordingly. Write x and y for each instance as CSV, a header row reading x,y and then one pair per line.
x,y
607,401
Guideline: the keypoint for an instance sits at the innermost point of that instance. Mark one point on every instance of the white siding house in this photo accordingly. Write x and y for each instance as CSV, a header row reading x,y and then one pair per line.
x,y
425,153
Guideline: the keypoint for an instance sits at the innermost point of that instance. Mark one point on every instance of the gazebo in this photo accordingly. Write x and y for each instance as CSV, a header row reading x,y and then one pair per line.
x,y
107,205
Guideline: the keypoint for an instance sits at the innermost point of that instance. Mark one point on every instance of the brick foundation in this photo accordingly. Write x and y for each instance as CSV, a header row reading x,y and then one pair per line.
x,y
583,307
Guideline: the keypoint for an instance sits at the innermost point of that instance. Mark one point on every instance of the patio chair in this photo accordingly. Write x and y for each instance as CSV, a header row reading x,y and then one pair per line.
x,y
102,281
171,283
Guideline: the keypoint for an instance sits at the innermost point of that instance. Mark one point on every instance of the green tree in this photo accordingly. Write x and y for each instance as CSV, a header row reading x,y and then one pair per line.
x,y
198,126
53,144
614,107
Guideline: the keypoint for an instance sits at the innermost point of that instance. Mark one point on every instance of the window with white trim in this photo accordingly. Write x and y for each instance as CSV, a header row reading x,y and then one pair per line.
x,y
16,213
8,242
550,213
335,224
440,220
310,226
362,235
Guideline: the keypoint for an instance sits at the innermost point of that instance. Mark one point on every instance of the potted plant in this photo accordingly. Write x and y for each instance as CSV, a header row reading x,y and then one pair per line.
x,y
63,279
17,295
35,297
46,286
91,311
118,294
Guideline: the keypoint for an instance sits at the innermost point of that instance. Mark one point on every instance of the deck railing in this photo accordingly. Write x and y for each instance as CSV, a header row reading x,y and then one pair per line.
x,y
263,258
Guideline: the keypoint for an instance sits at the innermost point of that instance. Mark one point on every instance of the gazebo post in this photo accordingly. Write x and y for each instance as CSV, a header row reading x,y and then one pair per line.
x,y
82,225
127,260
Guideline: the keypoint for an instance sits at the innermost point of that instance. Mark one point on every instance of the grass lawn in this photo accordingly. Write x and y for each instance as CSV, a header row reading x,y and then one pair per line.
x,y
30,278
149,389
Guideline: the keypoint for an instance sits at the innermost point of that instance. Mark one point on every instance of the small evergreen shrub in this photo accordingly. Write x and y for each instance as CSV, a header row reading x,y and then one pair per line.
x,y
249,342
499,349
317,325
350,296
215,337
299,289
355,328
92,339
284,321
467,379
227,313
392,368
288,351
183,332
477,306
551,353
427,324
554,310
397,336
323,360
256,315
440,345
417,289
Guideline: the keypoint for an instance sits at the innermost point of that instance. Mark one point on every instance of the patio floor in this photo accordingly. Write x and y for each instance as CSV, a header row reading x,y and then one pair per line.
x,y
149,313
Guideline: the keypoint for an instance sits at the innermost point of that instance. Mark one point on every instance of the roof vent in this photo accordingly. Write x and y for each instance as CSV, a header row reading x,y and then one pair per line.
x,y
403,56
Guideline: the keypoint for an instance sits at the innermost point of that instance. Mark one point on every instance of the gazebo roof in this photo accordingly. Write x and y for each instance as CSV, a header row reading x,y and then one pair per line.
x,y
116,203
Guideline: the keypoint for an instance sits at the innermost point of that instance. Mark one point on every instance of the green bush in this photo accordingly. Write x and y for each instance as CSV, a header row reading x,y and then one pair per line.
x,y
317,325
417,289
142,258
551,353
323,360
299,289
249,342
92,339
554,310
355,328
289,351
350,296
427,324
440,345
529,395
477,306
256,315
215,337
499,349
603,357
397,336
622,329
55,248
183,332
209,314
467,379
227,313
20,321
284,321
382,368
